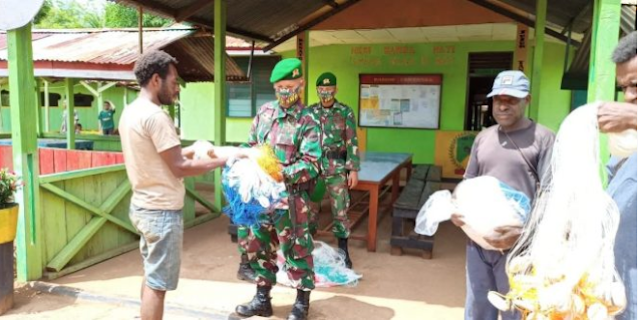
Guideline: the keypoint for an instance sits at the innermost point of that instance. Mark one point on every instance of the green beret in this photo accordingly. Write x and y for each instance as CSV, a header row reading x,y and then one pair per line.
x,y
327,79
286,69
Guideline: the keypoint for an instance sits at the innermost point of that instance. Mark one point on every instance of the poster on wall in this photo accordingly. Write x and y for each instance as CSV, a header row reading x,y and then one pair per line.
x,y
400,100
452,152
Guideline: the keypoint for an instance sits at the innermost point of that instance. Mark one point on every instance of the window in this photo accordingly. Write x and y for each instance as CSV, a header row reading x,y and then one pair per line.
x,y
4,98
244,98
82,100
54,99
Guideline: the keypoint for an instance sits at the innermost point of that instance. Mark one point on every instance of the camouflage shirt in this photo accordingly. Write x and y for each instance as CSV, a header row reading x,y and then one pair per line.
x,y
294,136
338,138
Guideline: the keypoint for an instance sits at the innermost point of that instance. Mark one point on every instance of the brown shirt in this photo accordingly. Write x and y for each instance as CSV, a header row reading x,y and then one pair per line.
x,y
146,131
493,154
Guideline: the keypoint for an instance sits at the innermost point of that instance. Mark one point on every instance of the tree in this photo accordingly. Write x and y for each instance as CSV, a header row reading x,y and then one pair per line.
x,y
119,16
67,15
44,11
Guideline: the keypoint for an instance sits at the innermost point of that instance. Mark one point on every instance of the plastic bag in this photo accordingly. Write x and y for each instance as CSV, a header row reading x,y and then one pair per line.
x,y
329,267
486,204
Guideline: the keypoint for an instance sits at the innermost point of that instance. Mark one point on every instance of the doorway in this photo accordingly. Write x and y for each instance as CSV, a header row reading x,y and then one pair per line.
x,y
483,68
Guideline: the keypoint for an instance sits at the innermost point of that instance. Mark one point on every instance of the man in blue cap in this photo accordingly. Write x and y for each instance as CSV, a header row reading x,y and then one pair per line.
x,y
515,151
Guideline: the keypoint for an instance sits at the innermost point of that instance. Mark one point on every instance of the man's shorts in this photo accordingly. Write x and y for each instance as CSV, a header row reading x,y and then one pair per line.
x,y
161,234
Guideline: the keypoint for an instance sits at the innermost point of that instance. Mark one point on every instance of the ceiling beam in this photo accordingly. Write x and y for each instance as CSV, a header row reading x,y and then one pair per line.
x,y
185,13
524,20
587,10
310,24
172,13
331,3
242,33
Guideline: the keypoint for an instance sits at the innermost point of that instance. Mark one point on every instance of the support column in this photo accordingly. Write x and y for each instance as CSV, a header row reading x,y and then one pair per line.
x,y
25,152
604,38
220,91
70,113
539,48
303,46
47,120
520,53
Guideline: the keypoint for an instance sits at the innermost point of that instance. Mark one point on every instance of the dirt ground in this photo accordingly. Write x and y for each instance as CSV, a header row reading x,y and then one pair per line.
x,y
392,287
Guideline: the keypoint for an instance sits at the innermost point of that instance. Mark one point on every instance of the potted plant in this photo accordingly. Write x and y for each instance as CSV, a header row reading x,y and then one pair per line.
x,y
9,184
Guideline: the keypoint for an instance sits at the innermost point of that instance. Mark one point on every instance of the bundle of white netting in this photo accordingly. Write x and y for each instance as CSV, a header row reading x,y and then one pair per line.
x,y
485,203
563,267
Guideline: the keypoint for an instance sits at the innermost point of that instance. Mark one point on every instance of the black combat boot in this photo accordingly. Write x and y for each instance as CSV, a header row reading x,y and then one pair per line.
x,y
343,245
245,272
301,306
259,306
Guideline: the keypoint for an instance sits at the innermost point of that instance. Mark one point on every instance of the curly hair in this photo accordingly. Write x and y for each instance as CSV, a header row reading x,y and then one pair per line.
x,y
152,62
626,49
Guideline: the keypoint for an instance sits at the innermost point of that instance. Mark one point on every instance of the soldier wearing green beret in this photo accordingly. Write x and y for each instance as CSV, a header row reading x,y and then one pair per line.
x,y
339,162
292,131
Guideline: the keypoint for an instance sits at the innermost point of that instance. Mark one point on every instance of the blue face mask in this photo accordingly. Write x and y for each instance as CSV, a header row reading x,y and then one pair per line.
x,y
287,96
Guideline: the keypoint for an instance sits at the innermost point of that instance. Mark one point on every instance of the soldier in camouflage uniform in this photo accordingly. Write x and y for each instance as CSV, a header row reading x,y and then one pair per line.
x,y
339,162
292,131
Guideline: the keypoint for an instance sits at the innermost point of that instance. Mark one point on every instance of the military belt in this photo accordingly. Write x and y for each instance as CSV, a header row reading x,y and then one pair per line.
x,y
335,155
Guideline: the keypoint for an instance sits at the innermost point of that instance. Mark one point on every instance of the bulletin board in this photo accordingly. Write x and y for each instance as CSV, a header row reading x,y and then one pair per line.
x,y
400,100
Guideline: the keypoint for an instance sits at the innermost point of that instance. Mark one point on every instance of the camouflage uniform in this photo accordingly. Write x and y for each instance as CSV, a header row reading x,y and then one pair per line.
x,y
340,155
294,135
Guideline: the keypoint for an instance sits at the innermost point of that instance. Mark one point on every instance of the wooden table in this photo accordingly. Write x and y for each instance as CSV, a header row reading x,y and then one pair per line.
x,y
377,170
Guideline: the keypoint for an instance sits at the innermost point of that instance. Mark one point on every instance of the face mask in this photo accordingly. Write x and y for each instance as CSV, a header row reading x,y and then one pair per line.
x,y
326,96
287,96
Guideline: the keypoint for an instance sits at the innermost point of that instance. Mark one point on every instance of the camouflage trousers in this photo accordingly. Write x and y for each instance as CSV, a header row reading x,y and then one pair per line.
x,y
261,244
337,189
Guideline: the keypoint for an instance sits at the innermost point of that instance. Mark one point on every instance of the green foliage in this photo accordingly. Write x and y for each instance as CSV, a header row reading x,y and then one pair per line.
x,y
119,16
67,15
71,14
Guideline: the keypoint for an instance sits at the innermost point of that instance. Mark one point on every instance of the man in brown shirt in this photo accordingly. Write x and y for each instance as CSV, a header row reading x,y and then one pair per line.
x,y
516,151
155,165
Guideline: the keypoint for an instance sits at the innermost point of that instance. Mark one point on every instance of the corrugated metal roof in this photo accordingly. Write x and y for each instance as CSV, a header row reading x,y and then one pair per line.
x,y
195,57
97,46
576,78
559,12
264,19
120,47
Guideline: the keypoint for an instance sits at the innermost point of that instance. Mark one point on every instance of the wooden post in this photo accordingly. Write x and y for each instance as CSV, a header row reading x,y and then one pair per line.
x,y
38,118
70,113
47,120
100,100
539,48
140,27
171,111
520,53
25,152
604,38
125,99
220,90
303,40
602,71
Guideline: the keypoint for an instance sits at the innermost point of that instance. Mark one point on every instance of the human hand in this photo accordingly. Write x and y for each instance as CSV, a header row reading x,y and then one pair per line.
x,y
616,117
458,219
353,179
504,237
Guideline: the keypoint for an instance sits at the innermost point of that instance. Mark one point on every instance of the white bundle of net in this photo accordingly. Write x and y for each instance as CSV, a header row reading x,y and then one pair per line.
x,y
485,203
563,265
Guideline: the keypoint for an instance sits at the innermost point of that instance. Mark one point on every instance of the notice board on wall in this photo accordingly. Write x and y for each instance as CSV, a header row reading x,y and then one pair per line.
x,y
400,100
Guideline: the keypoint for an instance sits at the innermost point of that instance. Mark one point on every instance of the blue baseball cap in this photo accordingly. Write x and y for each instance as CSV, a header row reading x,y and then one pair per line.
x,y
510,83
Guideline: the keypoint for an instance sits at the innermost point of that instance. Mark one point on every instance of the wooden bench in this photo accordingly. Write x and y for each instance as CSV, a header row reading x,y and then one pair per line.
x,y
425,180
